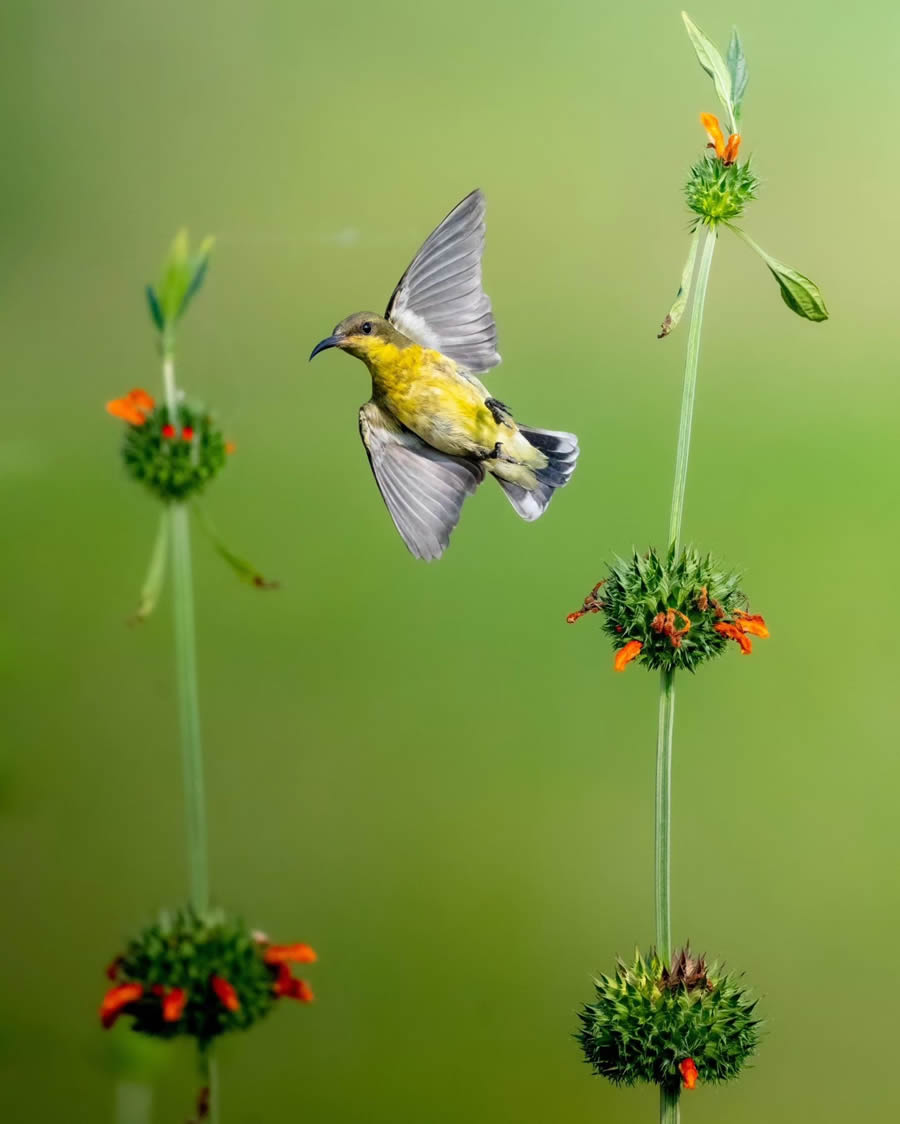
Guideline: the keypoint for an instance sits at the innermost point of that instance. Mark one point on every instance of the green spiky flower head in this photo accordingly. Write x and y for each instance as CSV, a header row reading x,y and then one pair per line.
x,y
201,976
653,1023
718,192
672,610
175,461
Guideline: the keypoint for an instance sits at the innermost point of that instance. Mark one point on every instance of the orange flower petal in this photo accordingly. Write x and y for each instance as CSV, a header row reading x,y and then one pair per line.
x,y
688,1072
173,1004
753,623
290,954
132,407
710,122
731,149
287,986
142,399
117,999
625,655
230,447
225,993
736,633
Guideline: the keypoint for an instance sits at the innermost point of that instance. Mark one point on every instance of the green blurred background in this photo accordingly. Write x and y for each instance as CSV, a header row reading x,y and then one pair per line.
x,y
421,770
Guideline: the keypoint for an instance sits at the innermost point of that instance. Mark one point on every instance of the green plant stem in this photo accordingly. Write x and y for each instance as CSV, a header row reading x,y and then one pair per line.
x,y
669,1097
209,1080
690,388
663,816
189,713
668,1105
188,706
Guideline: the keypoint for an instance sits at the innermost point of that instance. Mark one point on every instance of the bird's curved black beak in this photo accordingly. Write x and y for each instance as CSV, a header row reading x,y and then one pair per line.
x,y
323,345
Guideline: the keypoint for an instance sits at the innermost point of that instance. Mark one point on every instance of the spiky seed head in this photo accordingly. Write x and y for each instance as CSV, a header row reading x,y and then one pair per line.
x,y
175,462
681,607
718,192
642,1025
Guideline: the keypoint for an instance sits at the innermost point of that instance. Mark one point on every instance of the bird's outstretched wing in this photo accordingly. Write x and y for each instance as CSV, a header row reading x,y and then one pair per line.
x,y
439,301
424,489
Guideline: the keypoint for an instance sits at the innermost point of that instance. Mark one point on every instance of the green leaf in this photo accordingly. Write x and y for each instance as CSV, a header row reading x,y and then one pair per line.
x,y
175,279
155,311
199,266
182,277
737,69
245,570
712,62
156,572
799,293
684,290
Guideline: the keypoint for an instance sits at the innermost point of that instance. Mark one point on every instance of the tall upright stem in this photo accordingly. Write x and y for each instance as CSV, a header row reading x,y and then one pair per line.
x,y
668,1105
690,388
188,706
669,1097
189,710
663,818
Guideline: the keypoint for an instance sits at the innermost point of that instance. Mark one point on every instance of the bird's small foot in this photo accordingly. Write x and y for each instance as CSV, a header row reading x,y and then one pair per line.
x,y
494,454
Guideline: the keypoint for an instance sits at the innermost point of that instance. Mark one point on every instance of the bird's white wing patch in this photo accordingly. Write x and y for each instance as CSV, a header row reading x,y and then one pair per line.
x,y
439,301
424,490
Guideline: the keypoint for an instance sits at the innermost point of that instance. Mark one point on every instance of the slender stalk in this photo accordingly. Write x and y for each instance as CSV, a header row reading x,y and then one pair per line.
x,y
188,706
690,388
208,1110
669,1097
669,1112
663,841
189,714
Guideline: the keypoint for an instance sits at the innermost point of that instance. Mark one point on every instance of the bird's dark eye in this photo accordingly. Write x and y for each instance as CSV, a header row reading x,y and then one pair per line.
x,y
367,328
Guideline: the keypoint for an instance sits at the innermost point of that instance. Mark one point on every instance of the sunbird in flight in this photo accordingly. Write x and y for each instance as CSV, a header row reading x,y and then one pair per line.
x,y
431,429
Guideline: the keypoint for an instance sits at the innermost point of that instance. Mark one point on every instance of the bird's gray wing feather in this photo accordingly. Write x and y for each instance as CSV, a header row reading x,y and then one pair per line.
x,y
439,302
424,489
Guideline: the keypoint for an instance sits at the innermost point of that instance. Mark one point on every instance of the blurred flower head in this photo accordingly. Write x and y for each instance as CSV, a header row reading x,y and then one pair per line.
x,y
201,977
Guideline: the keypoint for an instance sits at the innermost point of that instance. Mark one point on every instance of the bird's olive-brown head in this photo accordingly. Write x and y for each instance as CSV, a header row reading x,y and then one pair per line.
x,y
360,333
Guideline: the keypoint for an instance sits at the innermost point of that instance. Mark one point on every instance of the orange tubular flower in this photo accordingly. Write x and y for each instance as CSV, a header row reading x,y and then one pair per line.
x,y
753,623
290,954
625,655
287,986
187,434
225,993
133,407
736,633
727,151
168,431
688,1072
116,1000
173,1004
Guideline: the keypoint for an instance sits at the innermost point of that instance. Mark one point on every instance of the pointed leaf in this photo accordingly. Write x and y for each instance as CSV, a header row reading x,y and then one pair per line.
x,y
176,278
684,290
712,62
156,573
737,69
799,293
155,311
245,570
199,266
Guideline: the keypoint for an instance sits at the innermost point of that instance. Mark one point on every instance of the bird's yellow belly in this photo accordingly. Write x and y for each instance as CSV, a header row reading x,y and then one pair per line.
x,y
442,408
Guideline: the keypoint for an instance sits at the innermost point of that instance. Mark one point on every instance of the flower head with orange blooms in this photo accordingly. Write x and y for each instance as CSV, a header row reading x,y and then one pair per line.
x,y
671,611
174,458
201,976
670,1024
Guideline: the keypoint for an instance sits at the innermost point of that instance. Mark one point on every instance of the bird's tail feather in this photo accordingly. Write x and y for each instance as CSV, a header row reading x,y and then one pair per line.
x,y
561,451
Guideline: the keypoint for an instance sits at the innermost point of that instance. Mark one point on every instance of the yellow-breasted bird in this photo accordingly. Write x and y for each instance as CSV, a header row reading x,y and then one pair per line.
x,y
431,429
